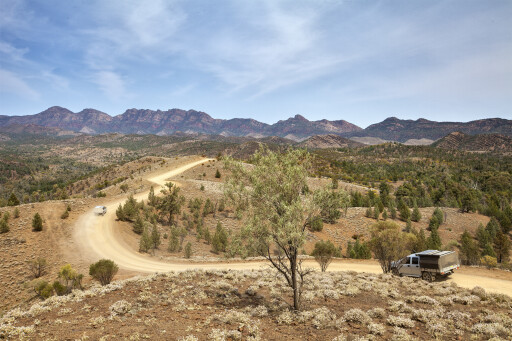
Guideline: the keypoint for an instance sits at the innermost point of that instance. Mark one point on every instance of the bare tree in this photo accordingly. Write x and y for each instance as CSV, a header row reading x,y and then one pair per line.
x,y
38,267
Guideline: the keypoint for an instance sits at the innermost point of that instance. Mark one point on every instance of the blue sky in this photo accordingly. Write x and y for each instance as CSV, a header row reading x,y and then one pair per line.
x,y
361,61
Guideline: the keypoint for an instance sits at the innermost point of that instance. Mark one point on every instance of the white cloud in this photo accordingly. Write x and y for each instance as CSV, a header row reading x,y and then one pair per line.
x,y
13,84
111,84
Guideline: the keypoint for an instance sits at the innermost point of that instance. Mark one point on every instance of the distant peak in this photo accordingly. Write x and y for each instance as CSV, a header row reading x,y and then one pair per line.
x,y
391,119
300,118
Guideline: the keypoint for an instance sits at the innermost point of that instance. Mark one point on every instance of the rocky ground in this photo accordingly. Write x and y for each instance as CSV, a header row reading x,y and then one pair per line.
x,y
255,305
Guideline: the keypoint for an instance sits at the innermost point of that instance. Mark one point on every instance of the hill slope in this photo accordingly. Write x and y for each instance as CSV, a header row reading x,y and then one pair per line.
x,y
395,129
329,141
483,142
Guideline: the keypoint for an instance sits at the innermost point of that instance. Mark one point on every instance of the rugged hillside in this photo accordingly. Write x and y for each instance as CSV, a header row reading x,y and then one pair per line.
x,y
36,130
87,121
395,129
329,141
298,128
144,121
483,142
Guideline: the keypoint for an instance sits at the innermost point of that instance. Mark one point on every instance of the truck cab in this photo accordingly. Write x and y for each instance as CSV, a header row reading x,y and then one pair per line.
x,y
411,266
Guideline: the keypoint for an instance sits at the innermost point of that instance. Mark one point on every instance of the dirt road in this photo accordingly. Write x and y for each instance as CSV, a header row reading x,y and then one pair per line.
x,y
97,238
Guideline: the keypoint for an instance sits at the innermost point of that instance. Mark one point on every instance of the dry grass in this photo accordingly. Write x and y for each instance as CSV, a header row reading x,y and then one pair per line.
x,y
255,305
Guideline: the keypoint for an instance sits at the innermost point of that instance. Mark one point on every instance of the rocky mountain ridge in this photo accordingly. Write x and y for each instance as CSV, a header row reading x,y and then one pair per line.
x,y
394,129
297,128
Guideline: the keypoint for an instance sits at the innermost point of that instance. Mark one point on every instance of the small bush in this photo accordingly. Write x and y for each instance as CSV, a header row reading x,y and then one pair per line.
x,y
42,288
489,262
317,224
13,200
37,222
323,253
4,226
103,271
217,174
64,215
222,205
59,288
72,279
399,321
188,250
220,239
201,188
16,212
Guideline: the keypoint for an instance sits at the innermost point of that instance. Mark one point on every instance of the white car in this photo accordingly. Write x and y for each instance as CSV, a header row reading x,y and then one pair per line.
x,y
100,210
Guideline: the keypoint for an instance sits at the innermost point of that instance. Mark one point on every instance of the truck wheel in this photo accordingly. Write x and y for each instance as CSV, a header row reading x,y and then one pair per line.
x,y
426,276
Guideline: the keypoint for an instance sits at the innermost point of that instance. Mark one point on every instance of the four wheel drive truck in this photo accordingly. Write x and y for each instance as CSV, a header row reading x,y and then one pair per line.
x,y
100,210
427,264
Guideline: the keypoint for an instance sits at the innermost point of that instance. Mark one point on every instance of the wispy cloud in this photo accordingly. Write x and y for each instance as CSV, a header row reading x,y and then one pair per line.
x,y
111,84
13,84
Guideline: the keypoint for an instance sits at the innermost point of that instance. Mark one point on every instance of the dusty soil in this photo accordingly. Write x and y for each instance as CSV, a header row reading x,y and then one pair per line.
x,y
254,305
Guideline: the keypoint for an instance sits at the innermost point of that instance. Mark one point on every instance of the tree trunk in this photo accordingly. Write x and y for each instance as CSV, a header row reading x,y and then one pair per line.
x,y
295,286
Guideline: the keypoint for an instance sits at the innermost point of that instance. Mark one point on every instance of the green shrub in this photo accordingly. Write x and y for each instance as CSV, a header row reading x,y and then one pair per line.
x,y
316,224
439,215
222,205
358,250
145,242
489,262
220,239
416,215
323,253
37,222
188,250
217,174
368,213
4,226
64,215
13,200
201,188
16,212
72,279
42,288
174,241
103,271
155,238
434,241
59,288
138,225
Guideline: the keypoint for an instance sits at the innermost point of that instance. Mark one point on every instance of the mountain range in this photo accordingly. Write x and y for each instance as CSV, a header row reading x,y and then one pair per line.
x,y
297,128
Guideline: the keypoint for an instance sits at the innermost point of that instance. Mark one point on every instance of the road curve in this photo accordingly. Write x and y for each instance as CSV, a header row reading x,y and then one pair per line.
x,y
97,237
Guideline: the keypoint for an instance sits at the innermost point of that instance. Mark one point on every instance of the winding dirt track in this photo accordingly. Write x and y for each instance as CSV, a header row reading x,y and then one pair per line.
x,y
97,239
